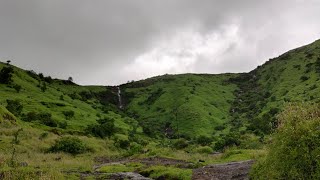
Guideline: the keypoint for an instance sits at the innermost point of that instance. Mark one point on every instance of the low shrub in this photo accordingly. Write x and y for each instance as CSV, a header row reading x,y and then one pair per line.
x,y
122,143
43,117
6,75
180,143
68,114
17,88
204,150
231,139
14,106
63,124
46,119
105,128
304,78
231,152
204,140
71,145
219,128
134,148
295,148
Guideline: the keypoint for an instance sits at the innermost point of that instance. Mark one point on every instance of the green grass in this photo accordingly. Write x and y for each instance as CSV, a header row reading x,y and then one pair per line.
x,y
193,104
168,172
115,168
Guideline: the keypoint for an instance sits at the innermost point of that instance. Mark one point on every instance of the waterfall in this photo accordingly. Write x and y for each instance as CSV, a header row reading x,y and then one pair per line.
x,y
119,98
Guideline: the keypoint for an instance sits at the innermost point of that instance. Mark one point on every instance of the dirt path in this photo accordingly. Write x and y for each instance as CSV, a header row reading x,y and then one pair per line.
x,y
228,171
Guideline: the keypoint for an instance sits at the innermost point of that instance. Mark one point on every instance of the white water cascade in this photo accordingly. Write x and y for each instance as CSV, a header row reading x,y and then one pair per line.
x,y
119,98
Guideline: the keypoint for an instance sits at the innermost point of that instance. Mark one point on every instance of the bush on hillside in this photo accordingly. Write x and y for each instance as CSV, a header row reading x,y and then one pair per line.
x,y
70,145
180,143
68,114
63,125
295,148
46,119
135,148
43,87
41,75
304,78
122,143
86,95
74,96
48,79
105,128
6,75
265,124
14,106
219,127
204,140
43,117
30,116
32,74
204,150
17,88
231,139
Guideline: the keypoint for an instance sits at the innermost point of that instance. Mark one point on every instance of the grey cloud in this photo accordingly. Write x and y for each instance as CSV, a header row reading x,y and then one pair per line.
x,y
97,42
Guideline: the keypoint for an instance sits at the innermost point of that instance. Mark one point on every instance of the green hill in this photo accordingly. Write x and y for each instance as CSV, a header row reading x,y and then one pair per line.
x,y
72,107
187,105
190,105
263,92
203,104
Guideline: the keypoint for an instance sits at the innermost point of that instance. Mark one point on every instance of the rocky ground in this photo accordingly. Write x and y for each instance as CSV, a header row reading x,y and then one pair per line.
x,y
227,171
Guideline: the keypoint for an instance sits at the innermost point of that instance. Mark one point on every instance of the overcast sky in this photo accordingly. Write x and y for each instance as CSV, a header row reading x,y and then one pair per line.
x,y
109,42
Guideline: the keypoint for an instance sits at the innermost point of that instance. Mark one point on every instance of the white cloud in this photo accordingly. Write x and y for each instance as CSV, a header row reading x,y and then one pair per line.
x,y
181,50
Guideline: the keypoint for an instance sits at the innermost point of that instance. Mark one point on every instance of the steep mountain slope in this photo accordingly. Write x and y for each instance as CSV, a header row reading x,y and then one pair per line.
x,y
194,105
188,105
263,92
72,107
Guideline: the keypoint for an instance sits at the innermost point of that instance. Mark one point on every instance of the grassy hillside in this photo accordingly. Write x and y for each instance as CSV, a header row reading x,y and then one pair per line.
x,y
188,105
193,105
291,77
87,103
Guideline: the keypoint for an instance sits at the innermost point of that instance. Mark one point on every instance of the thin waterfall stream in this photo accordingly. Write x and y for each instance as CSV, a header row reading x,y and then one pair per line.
x,y
119,98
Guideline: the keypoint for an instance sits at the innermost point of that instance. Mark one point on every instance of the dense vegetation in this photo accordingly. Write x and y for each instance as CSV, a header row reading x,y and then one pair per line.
x,y
295,148
45,120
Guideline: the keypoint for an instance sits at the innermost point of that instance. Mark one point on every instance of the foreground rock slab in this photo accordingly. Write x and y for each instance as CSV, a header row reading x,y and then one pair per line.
x,y
114,176
127,175
228,171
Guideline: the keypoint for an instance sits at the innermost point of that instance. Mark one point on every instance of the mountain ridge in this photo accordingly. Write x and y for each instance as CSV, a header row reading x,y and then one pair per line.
x,y
210,104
